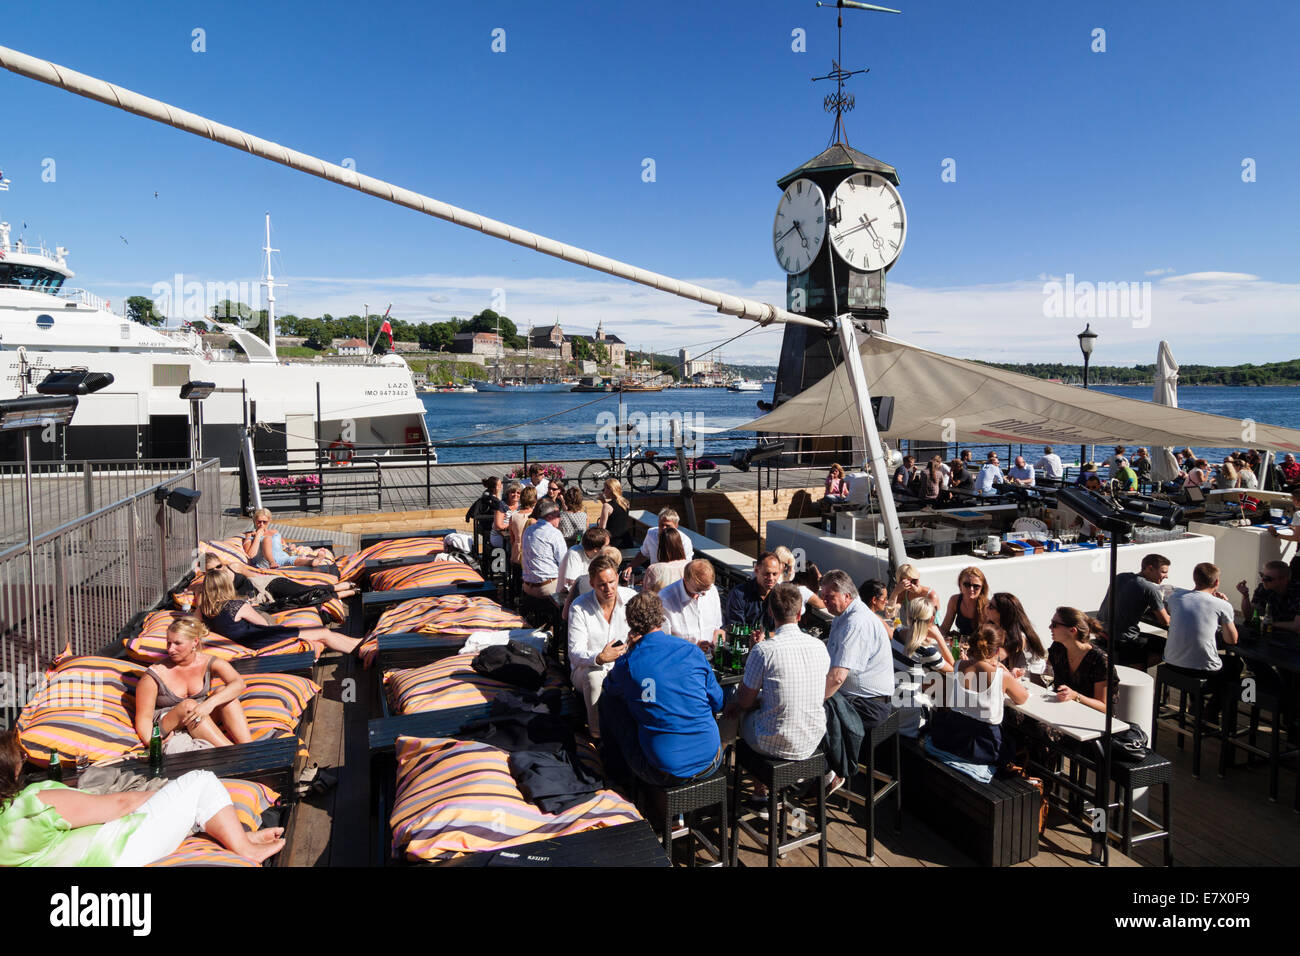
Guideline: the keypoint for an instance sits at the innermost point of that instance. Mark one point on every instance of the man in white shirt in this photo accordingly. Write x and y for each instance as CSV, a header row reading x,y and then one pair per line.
x,y
990,474
1050,464
650,547
692,608
542,550
577,558
537,480
597,634
1194,618
1020,473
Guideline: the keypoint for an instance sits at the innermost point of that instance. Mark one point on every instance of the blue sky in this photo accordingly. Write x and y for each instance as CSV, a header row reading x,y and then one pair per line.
x,y
1115,166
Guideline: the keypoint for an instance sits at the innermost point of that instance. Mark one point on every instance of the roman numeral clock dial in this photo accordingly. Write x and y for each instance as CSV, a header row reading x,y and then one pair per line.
x,y
800,225
870,227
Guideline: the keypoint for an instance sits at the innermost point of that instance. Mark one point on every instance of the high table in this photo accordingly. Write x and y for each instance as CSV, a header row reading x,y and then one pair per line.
x,y
1072,721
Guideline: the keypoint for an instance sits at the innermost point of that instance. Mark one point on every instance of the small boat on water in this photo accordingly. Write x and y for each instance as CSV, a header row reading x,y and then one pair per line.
x,y
591,384
639,387
744,385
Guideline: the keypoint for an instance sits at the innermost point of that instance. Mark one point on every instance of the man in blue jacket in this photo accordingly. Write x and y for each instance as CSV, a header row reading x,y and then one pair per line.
x,y
658,704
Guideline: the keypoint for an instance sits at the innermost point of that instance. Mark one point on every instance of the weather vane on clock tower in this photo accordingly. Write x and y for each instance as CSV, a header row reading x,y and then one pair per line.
x,y
840,102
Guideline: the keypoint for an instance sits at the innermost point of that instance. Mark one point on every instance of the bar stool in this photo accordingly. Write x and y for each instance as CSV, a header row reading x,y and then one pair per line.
x,y
778,776
685,800
1128,778
1193,689
1264,702
878,735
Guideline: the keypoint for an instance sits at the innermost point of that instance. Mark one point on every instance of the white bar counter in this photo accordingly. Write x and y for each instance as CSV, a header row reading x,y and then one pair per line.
x,y
1042,582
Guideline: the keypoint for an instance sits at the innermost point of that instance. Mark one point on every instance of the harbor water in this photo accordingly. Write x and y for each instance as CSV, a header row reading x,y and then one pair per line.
x,y
496,424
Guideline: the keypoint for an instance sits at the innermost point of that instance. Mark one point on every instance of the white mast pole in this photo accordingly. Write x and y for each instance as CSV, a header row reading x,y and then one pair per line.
x,y
270,290
131,102
871,439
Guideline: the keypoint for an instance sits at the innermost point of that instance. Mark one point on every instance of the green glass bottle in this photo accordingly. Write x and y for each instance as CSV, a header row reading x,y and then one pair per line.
x,y
56,767
155,753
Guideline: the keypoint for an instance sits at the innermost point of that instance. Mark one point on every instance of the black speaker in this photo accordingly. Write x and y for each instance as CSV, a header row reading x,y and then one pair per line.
x,y
182,500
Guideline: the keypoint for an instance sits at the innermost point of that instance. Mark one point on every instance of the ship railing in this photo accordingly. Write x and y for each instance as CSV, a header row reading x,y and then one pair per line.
x,y
93,575
71,294
65,490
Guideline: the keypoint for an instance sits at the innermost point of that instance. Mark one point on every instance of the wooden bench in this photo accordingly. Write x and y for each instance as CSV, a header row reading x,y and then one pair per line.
x,y
300,663
995,823
378,600
628,844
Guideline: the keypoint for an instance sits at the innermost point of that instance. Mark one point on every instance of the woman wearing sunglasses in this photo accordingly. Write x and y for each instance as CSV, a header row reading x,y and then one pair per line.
x,y
1078,667
968,608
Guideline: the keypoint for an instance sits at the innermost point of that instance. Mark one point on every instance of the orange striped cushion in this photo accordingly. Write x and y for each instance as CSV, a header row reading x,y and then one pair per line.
x,y
457,796
150,645
453,614
87,707
433,575
250,801
232,555
447,684
351,565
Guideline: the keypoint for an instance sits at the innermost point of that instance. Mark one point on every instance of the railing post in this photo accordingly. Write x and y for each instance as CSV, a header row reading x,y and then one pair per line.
x,y
60,602
428,476
525,474
88,484
133,555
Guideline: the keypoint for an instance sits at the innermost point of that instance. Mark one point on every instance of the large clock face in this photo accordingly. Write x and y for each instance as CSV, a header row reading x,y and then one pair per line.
x,y
869,225
800,225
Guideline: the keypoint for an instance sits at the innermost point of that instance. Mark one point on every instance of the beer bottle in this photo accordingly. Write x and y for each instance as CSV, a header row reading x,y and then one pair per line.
x,y
56,767
155,753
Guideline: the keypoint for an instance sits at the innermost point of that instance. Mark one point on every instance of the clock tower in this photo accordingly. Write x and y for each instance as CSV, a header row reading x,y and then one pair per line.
x,y
860,241
835,263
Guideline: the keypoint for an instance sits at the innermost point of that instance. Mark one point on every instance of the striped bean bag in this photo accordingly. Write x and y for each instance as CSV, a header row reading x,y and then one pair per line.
x,y
436,574
455,614
86,707
149,646
351,565
251,800
458,796
232,555
449,683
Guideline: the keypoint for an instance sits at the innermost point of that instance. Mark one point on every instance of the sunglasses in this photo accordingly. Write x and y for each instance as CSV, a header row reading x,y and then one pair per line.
x,y
912,580
973,584
1056,623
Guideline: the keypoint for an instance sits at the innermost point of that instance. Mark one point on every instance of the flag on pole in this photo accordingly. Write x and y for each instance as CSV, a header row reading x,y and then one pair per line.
x,y
385,329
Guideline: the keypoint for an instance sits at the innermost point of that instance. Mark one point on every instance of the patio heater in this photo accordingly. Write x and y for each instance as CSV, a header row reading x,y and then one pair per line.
x,y
195,393
1115,521
1087,338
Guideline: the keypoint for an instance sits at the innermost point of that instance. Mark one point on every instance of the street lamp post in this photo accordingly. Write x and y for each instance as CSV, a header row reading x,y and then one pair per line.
x,y
1087,338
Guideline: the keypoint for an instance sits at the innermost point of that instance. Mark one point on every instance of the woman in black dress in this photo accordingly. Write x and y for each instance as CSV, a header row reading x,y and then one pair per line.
x,y
613,514
1079,668
225,613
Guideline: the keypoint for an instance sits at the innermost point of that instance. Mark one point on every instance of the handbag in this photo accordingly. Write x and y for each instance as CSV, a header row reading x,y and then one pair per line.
x,y
1130,746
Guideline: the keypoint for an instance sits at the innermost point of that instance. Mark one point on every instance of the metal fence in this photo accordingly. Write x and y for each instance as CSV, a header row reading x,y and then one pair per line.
x,y
93,574
64,490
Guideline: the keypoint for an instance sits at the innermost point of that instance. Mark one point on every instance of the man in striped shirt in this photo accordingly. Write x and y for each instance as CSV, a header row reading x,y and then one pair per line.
x,y
783,687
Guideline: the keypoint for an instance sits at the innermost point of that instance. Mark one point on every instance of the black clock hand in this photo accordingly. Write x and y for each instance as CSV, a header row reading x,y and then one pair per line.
x,y
802,237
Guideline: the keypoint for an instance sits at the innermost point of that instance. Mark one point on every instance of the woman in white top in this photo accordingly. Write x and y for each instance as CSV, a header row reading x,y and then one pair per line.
x,y
669,564
971,728
505,511
917,648
789,569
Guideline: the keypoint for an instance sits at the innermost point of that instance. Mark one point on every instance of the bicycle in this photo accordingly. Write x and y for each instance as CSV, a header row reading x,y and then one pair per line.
x,y
637,468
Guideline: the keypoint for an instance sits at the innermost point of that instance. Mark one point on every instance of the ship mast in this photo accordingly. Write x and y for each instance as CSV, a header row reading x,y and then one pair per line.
x,y
270,284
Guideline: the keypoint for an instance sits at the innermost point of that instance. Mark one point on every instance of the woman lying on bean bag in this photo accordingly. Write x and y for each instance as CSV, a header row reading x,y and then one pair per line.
x,y
49,824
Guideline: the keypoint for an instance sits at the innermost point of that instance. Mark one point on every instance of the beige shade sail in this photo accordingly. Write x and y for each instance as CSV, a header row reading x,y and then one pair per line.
x,y
940,398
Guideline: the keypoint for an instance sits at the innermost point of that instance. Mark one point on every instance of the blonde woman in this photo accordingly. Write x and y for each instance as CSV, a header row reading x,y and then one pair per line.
x,y
265,548
789,570
907,588
177,696
225,613
519,522
613,514
918,648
